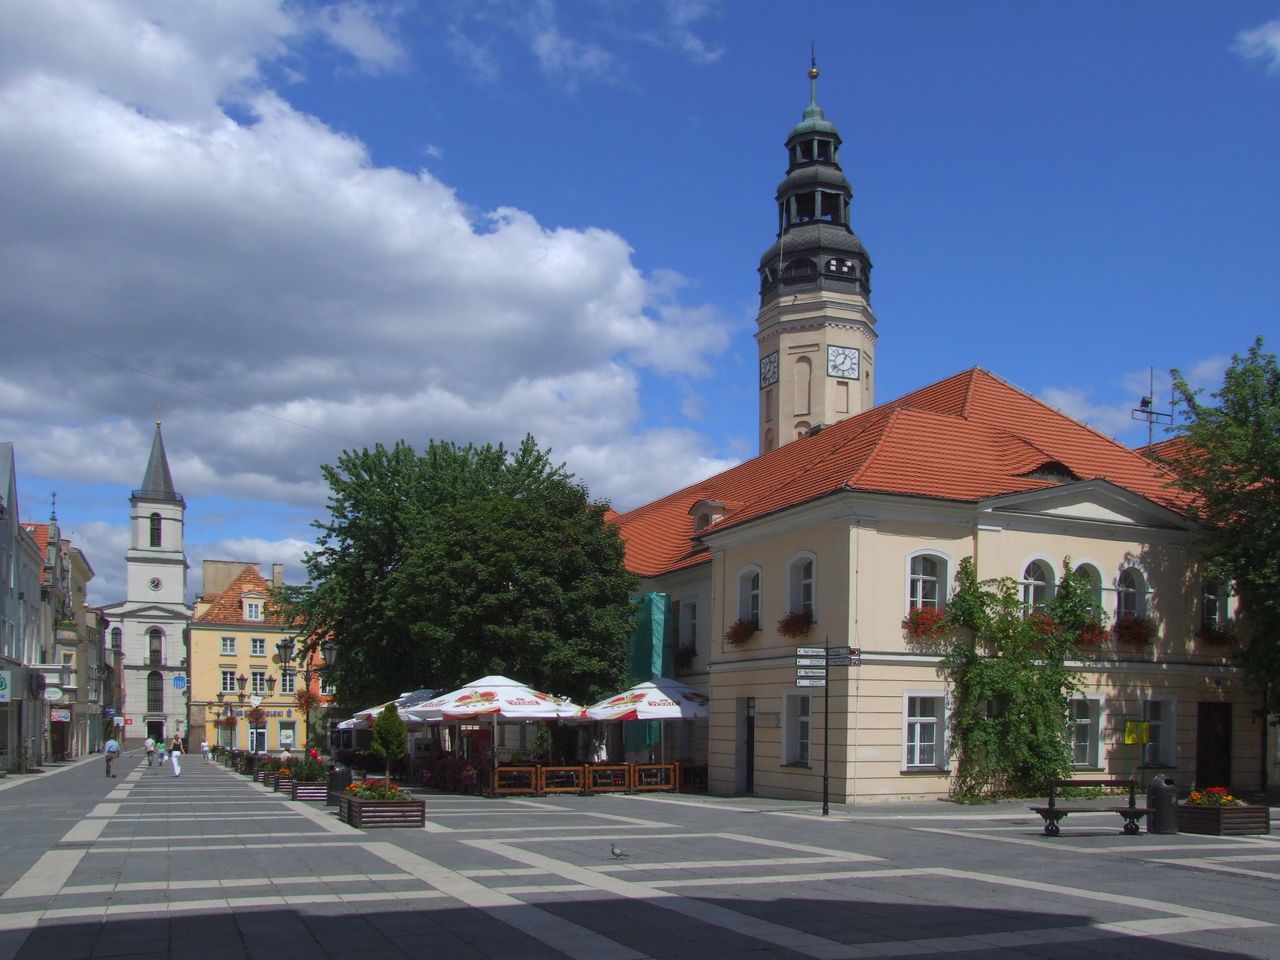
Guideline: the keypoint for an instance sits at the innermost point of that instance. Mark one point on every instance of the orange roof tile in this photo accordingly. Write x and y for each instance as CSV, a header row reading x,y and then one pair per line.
x,y
228,608
965,438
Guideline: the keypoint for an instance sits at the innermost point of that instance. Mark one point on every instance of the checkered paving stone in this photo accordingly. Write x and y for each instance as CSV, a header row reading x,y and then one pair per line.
x,y
209,864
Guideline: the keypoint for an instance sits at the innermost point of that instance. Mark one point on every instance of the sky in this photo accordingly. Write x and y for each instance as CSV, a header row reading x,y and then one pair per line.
x,y
292,228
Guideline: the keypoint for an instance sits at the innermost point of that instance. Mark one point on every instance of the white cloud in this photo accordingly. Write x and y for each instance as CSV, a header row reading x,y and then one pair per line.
x,y
363,31
1112,419
1262,44
279,295
682,15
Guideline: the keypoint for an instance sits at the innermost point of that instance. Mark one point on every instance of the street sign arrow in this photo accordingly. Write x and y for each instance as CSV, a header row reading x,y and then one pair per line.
x,y
806,672
811,651
810,682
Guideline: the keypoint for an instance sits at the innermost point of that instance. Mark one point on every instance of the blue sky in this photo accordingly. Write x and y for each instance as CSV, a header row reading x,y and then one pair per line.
x,y
301,227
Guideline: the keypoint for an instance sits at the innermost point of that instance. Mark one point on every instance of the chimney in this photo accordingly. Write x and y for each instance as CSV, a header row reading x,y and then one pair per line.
x,y
277,574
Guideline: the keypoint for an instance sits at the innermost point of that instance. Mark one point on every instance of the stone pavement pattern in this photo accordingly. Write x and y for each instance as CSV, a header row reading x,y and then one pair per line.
x,y
211,865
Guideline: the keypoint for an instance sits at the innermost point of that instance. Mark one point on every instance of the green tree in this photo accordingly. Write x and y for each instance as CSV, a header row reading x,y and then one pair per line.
x,y
389,737
438,568
1230,466
1010,682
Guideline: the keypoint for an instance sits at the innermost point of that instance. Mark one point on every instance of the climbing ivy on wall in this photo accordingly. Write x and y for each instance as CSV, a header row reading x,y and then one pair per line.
x,y
1010,682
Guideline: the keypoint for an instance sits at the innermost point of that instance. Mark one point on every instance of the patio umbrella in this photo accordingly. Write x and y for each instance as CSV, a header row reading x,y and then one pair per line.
x,y
661,699
497,697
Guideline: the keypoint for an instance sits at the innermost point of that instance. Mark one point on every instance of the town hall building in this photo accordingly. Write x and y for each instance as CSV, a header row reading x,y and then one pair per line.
x,y
855,515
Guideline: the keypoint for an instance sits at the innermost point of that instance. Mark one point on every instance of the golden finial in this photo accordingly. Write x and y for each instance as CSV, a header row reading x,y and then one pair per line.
x,y
813,62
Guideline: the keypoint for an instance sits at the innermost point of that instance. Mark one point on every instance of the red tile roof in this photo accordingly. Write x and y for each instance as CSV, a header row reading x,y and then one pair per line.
x,y
228,608
966,438
39,531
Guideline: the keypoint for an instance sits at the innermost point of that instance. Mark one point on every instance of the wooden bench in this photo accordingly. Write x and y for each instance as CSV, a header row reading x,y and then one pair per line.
x,y
1053,812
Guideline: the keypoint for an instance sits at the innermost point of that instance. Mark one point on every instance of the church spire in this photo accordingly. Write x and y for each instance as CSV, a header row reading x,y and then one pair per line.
x,y
157,482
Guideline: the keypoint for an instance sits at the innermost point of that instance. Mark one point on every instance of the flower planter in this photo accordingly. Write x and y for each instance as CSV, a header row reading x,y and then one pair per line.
x,y
1223,821
284,785
270,780
309,790
367,814
259,776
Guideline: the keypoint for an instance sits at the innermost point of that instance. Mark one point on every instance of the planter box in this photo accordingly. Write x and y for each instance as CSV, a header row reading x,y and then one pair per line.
x,y
284,785
366,814
270,780
259,776
310,790
1223,821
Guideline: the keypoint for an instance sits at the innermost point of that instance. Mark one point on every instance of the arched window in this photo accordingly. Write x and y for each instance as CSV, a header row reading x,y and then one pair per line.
x,y
749,595
1095,581
804,385
800,586
1213,606
1036,583
1131,594
155,529
155,692
155,646
117,638
927,580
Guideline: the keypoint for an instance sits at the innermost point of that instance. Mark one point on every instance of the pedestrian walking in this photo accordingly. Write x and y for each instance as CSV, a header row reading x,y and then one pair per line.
x,y
175,753
111,750
150,746
162,751
204,749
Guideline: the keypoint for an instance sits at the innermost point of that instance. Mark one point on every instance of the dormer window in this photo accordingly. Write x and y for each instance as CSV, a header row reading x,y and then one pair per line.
x,y
252,609
706,512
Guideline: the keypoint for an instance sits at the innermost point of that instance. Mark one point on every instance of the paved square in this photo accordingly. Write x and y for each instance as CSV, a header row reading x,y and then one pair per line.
x,y
211,865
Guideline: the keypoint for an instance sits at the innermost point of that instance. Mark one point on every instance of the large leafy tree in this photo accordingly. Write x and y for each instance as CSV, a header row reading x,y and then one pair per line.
x,y
438,568
1229,463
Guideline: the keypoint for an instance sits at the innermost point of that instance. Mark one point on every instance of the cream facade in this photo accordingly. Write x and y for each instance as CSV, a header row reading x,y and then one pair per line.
x,y
851,558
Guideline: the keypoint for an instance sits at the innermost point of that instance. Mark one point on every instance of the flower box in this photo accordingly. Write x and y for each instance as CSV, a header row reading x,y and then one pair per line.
x,y
310,790
259,776
366,814
284,785
269,779
1224,821
740,631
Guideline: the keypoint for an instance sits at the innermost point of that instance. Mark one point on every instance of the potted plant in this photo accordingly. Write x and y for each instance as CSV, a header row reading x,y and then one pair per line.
x,y
924,623
380,803
310,777
740,631
1092,635
284,779
684,657
796,624
1216,633
1135,631
1215,811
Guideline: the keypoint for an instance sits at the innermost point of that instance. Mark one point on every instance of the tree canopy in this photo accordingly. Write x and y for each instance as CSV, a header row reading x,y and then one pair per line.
x,y
438,568
1230,464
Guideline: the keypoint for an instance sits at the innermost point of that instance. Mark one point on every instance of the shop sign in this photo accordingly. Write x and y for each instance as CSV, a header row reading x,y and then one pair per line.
x,y
60,716
6,679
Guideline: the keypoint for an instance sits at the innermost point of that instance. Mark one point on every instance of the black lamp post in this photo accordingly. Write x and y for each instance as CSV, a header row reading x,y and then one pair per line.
x,y
240,682
271,685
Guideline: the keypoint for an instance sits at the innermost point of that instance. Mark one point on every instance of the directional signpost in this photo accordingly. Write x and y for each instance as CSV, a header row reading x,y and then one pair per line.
x,y
812,665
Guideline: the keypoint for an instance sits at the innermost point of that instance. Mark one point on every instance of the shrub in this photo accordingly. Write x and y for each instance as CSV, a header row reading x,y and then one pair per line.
x,y
1213,797
309,770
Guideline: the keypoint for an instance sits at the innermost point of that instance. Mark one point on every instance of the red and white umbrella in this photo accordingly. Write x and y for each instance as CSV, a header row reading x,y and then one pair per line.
x,y
499,697
660,699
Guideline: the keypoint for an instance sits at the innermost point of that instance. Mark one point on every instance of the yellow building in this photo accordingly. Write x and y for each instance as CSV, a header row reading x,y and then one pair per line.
x,y
241,694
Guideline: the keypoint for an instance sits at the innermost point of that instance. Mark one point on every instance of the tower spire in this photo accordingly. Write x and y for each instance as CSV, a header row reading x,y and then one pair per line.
x,y
157,482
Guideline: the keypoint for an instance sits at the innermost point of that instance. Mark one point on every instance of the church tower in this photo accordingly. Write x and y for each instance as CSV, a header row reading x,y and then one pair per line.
x,y
815,329
150,624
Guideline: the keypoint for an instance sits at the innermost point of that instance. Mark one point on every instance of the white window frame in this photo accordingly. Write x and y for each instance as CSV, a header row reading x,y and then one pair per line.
x,y
253,609
1138,593
1160,750
687,623
802,591
257,646
750,598
1093,720
228,646
797,729
1036,594
941,581
937,721
289,682
258,683
1213,603
328,688
228,681
1093,571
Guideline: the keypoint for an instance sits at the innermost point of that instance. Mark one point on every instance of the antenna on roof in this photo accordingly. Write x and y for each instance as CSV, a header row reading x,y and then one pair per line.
x,y
1144,411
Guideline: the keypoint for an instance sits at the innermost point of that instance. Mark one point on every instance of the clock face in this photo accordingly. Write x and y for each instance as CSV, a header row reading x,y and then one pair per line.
x,y
769,370
155,583
842,362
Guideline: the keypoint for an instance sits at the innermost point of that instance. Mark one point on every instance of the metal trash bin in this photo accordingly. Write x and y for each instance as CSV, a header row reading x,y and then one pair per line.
x,y
339,780
1162,800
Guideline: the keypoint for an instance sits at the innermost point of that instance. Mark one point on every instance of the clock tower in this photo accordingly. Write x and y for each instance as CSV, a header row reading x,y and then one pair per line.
x,y
150,625
815,329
